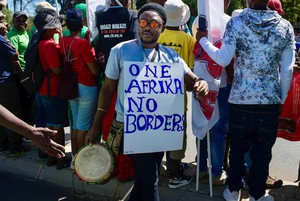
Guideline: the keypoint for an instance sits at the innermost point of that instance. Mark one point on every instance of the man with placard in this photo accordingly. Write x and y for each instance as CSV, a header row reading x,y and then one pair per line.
x,y
148,110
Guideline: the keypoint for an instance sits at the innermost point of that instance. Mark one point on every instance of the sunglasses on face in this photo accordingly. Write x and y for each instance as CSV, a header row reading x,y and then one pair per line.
x,y
152,24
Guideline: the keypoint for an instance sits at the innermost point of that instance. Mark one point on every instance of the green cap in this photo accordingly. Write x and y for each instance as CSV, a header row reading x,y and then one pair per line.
x,y
82,7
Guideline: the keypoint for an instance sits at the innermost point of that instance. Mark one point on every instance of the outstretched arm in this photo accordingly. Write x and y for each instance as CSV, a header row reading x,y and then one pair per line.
x,y
39,136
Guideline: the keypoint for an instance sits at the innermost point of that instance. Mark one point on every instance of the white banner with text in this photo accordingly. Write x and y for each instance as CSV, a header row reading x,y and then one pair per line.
x,y
153,107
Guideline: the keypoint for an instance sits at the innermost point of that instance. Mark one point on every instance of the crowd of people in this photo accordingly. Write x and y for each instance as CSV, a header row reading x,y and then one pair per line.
x,y
257,58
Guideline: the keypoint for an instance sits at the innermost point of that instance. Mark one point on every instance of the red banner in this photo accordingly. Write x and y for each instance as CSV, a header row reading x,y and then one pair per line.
x,y
289,120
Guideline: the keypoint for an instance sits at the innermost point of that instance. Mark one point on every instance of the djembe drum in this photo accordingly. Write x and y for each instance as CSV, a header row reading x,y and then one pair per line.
x,y
94,164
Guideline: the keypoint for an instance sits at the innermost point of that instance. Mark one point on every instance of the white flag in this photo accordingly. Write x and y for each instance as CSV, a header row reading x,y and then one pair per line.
x,y
205,112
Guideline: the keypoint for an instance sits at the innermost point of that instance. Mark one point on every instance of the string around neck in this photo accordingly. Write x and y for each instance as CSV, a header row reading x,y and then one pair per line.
x,y
142,49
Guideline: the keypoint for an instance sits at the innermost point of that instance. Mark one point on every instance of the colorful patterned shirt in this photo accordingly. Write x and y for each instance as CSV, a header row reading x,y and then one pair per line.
x,y
263,43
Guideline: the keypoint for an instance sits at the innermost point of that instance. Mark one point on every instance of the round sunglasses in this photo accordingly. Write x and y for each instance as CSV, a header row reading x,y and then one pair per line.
x,y
153,24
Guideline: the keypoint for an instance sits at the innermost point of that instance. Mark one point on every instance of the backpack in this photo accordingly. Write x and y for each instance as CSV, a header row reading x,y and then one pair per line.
x,y
33,75
67,84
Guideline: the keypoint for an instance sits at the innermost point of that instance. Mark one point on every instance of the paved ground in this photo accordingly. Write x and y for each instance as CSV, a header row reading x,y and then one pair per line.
x,y
30,166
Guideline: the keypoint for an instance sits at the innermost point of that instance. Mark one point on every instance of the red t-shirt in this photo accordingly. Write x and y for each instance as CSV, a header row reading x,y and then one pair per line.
x,y
81,54
50,58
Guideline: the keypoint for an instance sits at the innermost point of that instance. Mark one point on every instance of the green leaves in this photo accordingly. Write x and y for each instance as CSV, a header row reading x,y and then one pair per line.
x,y
291,9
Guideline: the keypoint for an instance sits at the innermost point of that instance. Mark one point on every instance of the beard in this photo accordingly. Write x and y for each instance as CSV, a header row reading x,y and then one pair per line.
x,y
149,41
146,40
149,36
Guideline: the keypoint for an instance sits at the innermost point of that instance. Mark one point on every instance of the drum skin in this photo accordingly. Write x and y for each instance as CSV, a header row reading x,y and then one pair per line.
x,y
94,164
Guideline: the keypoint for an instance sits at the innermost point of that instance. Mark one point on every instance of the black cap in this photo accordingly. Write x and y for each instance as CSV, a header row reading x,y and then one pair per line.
x,y
19,14
156,8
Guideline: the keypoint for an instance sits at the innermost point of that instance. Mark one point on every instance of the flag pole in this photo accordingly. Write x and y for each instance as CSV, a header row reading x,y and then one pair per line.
x,y
209,164
198,164
88,14
56,7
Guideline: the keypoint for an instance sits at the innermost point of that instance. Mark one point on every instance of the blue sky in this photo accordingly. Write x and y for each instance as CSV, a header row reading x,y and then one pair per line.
x,y
29,8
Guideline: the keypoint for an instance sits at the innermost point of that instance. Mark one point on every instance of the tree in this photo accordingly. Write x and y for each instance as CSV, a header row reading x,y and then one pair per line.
x,y
23,4
193,6
8,15
291,9
27,3
235,4
15,5
140,3
63,4
66,4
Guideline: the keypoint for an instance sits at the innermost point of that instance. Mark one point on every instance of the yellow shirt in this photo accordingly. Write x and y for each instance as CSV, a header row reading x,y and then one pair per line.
x,y
183,44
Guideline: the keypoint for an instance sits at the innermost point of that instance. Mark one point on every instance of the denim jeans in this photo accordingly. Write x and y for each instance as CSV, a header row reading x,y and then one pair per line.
x,y
55,110
40,114
252,128
217,137
146,167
